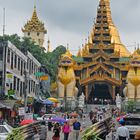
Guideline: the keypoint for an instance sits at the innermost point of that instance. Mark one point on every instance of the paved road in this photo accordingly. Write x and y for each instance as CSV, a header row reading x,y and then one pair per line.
x,y
71,136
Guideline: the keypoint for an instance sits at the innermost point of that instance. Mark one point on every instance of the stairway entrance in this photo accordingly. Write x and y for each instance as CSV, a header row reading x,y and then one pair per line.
x,y
99,92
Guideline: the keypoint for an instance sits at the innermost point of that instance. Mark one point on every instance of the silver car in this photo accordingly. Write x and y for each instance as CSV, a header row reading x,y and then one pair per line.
x,y
4,131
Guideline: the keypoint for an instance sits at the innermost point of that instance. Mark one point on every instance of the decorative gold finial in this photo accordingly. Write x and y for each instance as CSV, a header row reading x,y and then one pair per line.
x,y
49,46
34,4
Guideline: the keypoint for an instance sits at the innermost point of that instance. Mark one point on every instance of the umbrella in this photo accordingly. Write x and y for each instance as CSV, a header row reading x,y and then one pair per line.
x,y
47,102
121,117
58,119
53,100
74,115
25,122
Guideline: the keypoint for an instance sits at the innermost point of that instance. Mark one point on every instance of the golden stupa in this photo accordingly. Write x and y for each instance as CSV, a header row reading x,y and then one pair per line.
x,y
34,24
103,65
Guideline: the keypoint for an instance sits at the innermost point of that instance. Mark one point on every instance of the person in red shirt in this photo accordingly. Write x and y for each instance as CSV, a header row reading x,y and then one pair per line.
x,y
66,130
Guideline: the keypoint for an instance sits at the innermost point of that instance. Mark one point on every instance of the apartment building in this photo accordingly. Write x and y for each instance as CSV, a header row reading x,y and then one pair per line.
x,y
17,71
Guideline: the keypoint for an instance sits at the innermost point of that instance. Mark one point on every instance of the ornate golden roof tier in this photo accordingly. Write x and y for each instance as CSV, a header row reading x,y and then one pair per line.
x,y
34,25
104,31
88,80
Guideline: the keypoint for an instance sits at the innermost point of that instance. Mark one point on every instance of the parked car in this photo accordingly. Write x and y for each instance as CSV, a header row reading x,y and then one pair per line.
x,y
46,117
4,131
132,122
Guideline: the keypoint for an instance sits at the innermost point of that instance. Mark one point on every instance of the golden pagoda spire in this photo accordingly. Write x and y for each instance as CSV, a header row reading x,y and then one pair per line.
x,y
68,53
79,52
34,24
104,31
35,29
49,46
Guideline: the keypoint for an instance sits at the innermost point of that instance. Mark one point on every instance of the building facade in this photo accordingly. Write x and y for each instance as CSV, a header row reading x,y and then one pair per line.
x,y
15,65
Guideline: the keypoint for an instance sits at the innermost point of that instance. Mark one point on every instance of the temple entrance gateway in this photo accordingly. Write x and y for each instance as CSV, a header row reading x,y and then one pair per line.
x,y
99,91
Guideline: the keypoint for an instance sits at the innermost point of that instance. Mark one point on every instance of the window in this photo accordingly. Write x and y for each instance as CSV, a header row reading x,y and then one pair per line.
x,y
18,63
28,34
11,86
1,53
21,88
38,34
12,60
21,72
8,56
0,78
18,84
15,63
3,129
14,83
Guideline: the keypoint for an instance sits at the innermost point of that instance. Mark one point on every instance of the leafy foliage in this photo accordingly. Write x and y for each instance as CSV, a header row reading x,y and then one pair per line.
x,y
49,60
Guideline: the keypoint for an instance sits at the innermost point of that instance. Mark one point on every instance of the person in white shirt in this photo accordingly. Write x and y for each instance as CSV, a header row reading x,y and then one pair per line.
x,y
122,132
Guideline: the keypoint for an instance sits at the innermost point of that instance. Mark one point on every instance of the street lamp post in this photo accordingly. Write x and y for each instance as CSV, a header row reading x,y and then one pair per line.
x,y
25,90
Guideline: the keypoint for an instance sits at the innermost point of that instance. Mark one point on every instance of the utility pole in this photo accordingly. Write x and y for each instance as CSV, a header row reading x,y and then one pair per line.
x,y
25,89
3,22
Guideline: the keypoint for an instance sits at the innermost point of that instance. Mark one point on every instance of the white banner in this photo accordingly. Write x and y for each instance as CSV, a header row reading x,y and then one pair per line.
x,y
28,116
21,111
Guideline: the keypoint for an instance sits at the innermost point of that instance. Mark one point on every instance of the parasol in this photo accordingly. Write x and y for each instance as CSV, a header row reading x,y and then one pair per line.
x,y
47,102
53,100
58,119
74,115
25,122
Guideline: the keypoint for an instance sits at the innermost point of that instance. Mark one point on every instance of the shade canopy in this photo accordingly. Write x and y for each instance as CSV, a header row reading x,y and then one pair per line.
x,y
25,122
47,102
53,100
58,119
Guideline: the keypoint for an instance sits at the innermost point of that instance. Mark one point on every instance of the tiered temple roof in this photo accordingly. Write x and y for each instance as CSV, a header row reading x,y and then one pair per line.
x,y
34,25
104,34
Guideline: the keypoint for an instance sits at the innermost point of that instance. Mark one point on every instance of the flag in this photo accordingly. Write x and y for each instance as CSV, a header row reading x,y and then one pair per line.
x,y
44,78
39,74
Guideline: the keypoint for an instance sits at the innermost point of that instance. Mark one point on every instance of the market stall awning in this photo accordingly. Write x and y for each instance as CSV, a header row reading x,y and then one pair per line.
x,y
9,104
53,100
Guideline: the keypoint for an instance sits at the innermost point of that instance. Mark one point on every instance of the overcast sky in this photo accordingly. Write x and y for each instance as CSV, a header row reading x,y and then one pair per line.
x,y
70,21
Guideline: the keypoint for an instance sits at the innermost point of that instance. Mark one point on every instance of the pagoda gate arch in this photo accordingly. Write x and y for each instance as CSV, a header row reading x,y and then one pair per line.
x,y
100,88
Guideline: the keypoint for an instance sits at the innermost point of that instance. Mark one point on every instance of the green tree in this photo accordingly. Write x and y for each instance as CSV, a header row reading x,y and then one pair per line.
x,y
50,60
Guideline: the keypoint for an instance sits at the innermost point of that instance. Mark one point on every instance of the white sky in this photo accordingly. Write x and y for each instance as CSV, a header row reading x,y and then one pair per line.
x,y
70,21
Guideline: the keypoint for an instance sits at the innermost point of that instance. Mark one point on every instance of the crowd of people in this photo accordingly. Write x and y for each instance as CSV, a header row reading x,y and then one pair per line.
x,y
71,125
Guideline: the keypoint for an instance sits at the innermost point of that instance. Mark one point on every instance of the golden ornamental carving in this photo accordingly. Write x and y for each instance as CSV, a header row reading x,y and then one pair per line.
x,y
135,80
34,25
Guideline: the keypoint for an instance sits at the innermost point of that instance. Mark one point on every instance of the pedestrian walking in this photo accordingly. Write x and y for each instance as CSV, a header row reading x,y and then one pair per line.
x,y
94,120
122,132
84,122
76,129
50,124
66,130
43,131
91,114
56,130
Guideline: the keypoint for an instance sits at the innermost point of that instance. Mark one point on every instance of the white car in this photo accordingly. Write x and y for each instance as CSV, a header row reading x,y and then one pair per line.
x,y
46,117
132,122
4,131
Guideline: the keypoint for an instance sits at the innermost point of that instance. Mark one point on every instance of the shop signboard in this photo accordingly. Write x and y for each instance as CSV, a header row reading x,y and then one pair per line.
x,y
28,116
9,78
21,111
